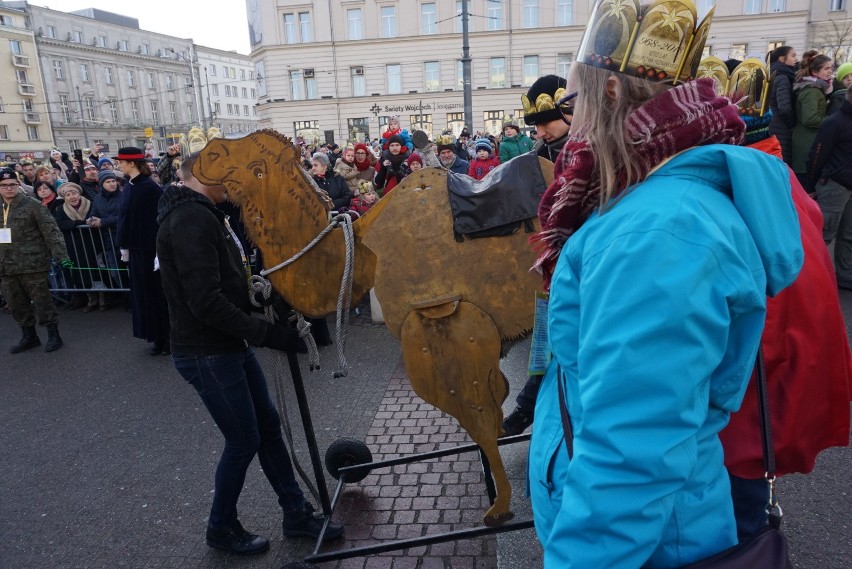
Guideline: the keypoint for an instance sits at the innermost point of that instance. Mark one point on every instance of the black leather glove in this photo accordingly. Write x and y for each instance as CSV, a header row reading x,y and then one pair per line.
x,y
281,337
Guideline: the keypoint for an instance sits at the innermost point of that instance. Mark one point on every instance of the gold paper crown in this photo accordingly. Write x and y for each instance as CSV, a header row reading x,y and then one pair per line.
x,y
195,140
543,102
445,140
747,85
661,41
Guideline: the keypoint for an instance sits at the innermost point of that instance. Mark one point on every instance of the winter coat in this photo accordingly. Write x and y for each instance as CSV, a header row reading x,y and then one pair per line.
x,y
35,238
459,166
204,280
831,153
82,242
336,188
512,146
137,220
550,150
349,173
107,207
811,107
808,362
782,103
387,177
654,353
479,168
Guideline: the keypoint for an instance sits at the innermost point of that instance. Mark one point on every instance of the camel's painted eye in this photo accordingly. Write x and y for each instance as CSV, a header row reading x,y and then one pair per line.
x,y
258,171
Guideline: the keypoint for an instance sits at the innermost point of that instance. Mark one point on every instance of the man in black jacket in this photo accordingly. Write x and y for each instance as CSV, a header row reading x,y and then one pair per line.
x,y
203,270
830,172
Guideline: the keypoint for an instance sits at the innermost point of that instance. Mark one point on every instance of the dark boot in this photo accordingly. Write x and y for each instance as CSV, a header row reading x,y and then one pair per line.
x,y
236,540
303,523
54,342
28,340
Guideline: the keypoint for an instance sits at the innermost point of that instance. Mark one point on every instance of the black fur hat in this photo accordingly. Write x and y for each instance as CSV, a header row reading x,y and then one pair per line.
x,y
547,84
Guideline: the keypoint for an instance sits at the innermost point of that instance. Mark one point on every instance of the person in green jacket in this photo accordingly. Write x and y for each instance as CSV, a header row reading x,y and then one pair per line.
x,y
514,142
812,86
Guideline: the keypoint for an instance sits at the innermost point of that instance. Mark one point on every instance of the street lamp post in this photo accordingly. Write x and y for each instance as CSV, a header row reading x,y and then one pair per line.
x,y
82,117
195,97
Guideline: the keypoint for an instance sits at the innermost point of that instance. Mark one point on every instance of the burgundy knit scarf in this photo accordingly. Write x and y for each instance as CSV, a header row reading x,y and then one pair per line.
x,y
682,117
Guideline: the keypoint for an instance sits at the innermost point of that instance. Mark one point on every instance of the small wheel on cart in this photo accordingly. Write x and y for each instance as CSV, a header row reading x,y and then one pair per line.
x,y
298,565
348,452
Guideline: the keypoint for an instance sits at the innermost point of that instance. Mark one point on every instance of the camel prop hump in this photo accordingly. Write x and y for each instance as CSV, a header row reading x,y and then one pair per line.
x,y
454,306
283,210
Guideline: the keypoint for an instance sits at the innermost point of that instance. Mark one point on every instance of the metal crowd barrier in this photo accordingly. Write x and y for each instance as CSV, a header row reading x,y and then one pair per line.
x,y
97,263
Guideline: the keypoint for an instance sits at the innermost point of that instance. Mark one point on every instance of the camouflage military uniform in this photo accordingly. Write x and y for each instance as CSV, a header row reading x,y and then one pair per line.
x,y
25,262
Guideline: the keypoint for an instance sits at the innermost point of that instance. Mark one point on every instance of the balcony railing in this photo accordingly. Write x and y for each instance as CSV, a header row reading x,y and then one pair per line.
x,y
26,89
32,118
20,60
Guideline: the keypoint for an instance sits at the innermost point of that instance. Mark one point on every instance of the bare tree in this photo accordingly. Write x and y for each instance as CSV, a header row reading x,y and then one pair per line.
x,y
834,39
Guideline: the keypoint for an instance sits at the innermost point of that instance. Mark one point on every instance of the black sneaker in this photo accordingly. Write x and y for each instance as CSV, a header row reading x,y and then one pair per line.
x,y
517,422
236,540
304,523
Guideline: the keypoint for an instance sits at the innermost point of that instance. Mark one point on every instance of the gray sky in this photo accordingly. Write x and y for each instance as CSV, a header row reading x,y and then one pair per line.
x,y
221,24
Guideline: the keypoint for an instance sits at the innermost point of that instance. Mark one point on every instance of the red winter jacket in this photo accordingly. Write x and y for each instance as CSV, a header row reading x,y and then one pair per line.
x,y
808,363
478,168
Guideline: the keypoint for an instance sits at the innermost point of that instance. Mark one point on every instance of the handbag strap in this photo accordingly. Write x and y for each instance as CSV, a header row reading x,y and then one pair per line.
x,y
773,508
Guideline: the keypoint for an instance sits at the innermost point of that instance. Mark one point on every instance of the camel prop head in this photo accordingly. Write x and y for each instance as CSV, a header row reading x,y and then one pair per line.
x,y
283,210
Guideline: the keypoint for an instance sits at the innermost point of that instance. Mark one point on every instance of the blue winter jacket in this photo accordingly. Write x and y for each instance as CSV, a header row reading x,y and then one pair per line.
x,y
655,315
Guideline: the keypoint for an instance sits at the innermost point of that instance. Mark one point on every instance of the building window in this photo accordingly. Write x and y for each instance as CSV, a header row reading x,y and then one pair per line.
x,y
837,5
144,49
217,108
290,28
394,75
494,15
738,51
101,41
170,83
428,17
215,88
422,122
84,72
4,132
497,72
237,110
459,75
212,70
57,69
245,110
1,106
131,78
155,112
90,109
21,74
455,122
311,91
305,29
64,108
32,132
773,45
704,7
777,5
752,6
73,144
493,122
459,23
15,46
531,69
50,32
113,110
123,45
108,75
243,74
134,110
563,63
297,93
150,77
389,21
77,37
253,93
228,87
354,29
359,129
230,108
359,84
530,14
245,92
432,75
173,112
564,12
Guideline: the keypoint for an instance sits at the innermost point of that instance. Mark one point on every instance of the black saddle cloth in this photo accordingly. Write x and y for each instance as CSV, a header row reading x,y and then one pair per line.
x,y
499,203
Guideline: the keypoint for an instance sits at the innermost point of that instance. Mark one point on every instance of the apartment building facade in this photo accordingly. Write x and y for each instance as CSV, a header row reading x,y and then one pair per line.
x,y
228,90
25,127
336,70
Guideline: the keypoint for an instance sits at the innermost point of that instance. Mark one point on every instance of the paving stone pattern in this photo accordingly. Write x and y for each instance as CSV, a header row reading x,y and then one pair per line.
x,y
418,498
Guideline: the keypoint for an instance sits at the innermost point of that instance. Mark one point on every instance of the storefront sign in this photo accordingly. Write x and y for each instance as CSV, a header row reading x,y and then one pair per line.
x,y
391,109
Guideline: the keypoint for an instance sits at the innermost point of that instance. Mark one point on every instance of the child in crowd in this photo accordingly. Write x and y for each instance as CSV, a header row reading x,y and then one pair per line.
x,y
485,160
395,129
412,164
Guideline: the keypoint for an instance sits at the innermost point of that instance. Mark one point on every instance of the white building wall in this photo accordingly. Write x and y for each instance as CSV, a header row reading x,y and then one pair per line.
x,y
214,66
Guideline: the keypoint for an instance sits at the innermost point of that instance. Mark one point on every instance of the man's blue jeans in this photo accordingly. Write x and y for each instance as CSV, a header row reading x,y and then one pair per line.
x,y
233,388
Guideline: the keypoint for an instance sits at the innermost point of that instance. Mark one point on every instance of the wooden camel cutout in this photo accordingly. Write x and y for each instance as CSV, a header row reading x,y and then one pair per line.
x,y
452,305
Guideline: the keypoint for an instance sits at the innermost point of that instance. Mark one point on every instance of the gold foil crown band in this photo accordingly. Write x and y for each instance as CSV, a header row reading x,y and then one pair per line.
x,y
747,86
660,41
543,102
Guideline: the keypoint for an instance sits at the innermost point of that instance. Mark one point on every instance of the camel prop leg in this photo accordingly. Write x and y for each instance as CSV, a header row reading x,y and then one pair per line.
x,y
452,355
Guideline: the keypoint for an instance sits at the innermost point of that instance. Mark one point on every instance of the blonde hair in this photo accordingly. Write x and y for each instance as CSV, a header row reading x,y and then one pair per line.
x,y
602,121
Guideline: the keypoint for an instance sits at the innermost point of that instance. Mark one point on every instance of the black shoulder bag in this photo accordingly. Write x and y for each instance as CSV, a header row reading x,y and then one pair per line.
x,y
765,549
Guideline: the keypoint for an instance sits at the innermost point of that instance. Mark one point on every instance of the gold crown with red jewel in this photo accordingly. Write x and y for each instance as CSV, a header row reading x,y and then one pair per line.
x,y
747,86
661,41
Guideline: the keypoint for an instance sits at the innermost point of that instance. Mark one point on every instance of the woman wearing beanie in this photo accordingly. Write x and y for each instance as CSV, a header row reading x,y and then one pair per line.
x,y
81,245
329,182
842,82
106,209
364,163
813,85
412,164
